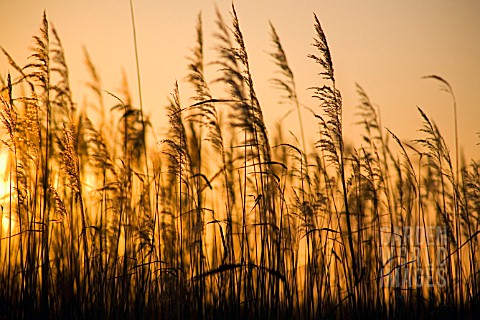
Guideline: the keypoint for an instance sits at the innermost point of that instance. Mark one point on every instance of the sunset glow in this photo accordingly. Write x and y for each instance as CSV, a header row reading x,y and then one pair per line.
x,y
251,160
385,46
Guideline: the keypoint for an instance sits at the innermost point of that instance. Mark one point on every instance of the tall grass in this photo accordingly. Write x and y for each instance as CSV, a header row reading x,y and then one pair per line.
x,y
220,218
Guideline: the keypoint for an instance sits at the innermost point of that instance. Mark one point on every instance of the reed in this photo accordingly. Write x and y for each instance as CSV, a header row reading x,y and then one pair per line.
x,y
220,218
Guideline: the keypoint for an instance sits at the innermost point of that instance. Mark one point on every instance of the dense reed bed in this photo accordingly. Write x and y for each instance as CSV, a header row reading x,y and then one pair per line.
x,y
221,219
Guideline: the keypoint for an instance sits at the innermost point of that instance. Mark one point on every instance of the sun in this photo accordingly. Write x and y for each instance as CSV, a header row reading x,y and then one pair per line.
x,y
4,183
4,193
6,223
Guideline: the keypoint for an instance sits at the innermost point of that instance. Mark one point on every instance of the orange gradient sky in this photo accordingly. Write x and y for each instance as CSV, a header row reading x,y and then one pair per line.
x,y
384,45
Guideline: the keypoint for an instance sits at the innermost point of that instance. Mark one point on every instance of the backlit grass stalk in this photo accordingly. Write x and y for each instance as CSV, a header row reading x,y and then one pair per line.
x,y
331,140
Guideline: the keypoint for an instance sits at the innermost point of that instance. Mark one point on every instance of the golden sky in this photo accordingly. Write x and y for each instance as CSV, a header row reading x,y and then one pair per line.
x,y
384,45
